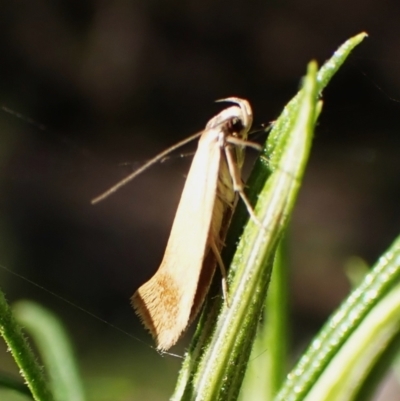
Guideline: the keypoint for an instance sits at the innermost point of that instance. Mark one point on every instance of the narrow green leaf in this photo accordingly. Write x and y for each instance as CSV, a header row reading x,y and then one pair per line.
x,y
346,373
342,325
221,358
215,364
29,367
268,362
55,348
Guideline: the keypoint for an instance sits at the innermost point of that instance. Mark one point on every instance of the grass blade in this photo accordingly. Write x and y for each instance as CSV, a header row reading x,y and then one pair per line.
x,y
55,348
29,367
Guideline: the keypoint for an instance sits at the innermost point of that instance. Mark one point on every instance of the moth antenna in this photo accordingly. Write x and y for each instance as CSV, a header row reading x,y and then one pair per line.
x,y
145,166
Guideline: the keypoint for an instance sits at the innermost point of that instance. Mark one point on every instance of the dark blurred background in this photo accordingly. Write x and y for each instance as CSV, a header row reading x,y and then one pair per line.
x,y
91,89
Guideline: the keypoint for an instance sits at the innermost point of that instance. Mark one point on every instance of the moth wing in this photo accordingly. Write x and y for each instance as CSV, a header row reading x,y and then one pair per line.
x,y
164,302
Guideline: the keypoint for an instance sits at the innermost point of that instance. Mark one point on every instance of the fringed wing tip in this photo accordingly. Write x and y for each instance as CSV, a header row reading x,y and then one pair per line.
x,y
155,315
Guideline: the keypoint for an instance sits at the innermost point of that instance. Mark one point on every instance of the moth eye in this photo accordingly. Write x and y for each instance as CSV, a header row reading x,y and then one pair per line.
x,y
235,125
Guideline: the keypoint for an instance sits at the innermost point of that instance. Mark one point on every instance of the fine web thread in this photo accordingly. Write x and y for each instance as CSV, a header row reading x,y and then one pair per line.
x,y
98,318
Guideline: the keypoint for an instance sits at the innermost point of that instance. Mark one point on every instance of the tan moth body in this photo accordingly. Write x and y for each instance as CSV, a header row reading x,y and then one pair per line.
x,y
171,299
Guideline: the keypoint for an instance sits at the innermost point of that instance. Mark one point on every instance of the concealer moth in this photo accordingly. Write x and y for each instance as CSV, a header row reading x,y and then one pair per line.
x,y
172,298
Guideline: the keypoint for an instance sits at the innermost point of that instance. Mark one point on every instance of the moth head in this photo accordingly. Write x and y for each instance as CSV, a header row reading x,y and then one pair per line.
x,y
239,118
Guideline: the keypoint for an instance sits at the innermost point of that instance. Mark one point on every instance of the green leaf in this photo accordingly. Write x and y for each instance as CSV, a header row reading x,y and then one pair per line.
x,y
29,367
351,324
268,363
55,349
222,357
216,361
346,373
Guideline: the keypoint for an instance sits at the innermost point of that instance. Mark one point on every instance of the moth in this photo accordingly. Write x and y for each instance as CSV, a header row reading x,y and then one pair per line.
x,y
172,298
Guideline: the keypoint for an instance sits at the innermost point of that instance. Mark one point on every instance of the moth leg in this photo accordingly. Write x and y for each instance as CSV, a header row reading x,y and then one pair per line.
x,y
244,143
221,265
238,184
